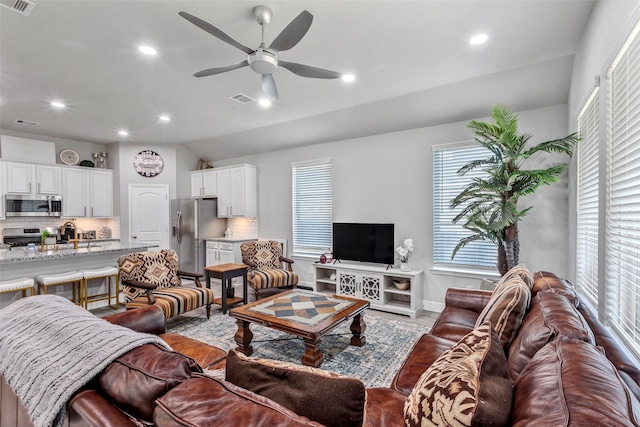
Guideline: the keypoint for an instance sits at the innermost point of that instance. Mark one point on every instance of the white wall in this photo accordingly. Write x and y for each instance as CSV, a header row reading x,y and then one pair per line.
x,y
388,178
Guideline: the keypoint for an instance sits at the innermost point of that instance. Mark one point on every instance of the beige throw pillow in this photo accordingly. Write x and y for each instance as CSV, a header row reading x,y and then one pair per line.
x,y
506,308
468,385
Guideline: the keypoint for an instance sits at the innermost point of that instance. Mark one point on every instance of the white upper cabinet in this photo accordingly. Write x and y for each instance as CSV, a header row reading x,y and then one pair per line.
x,y
237,192
25,178
87,193
204,183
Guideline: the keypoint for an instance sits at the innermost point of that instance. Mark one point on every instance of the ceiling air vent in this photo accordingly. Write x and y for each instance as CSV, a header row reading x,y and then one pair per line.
x,y
241,98
23,7
26,122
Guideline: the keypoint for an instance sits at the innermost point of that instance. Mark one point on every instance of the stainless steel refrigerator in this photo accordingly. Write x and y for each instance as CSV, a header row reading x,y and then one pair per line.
x,y
194,220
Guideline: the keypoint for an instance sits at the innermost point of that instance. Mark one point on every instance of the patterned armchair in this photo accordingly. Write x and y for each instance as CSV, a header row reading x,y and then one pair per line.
x,y
267,267
153,278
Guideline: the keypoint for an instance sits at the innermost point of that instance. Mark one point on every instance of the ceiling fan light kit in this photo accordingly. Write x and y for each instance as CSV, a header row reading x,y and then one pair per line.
x,y
264,60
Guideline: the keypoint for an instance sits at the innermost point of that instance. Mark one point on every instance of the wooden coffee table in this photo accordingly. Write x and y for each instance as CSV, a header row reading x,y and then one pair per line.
x,y
309,315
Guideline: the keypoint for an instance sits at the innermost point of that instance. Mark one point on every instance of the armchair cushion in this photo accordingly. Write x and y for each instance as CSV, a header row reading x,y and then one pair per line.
x,y
273,278
264,254
310,392
176,300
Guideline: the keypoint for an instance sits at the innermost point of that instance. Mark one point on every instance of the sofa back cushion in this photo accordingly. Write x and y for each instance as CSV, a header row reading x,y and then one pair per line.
x,y
551,316
137,378
572,383
467,386
321,396
204,402
506,308
543,281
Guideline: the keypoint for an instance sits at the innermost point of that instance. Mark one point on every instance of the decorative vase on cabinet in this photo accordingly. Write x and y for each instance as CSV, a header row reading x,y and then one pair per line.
x,y
405,266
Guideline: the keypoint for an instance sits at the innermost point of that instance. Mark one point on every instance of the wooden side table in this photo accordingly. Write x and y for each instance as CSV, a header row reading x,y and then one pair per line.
x,y
226,272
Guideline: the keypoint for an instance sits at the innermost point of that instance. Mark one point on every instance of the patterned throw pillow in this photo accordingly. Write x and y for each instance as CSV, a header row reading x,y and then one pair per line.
x,y
468,385
517,271
506,308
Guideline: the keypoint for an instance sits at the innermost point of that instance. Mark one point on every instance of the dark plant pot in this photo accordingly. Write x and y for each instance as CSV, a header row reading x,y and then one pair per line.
x,y
230,292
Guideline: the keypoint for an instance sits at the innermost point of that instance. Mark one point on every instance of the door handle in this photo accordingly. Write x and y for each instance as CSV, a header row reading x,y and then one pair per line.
x,y
134,237
179,227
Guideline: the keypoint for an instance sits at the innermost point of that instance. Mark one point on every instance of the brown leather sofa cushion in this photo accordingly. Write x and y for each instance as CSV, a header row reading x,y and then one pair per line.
x,y
204,402
571,383
321,396
551,316
204,354
543,281
454,323
467,386
384,408
137,378
424,352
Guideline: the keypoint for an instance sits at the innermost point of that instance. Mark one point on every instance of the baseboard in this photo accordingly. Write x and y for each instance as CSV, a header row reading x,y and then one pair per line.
x,y
434,306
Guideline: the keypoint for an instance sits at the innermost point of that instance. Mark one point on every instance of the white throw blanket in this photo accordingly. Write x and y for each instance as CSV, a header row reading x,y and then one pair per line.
x,y
50,348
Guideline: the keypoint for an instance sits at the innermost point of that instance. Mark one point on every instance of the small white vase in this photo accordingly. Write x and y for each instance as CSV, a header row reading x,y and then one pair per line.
x,y
405,266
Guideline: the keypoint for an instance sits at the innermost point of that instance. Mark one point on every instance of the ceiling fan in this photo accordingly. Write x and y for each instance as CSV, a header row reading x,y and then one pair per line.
x,y
264,60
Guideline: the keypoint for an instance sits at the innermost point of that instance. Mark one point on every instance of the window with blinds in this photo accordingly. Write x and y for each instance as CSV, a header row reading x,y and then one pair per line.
x,y
587,199
312,207
447,160
622,246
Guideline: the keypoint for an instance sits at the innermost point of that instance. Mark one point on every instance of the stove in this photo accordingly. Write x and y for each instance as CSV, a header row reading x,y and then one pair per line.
x,y
18,237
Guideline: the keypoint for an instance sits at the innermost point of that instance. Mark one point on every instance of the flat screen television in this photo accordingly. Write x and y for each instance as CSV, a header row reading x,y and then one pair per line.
x,y
363,242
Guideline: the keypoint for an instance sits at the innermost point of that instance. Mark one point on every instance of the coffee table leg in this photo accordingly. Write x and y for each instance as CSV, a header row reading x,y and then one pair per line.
x,y
357,328
243,338
313,354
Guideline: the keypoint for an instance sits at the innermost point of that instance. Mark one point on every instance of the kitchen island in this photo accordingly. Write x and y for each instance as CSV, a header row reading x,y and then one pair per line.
x,y
20,262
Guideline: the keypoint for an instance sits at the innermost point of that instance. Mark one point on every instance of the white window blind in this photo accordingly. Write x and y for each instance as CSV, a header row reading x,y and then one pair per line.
x,y
312,207
447,160
622,300
587,199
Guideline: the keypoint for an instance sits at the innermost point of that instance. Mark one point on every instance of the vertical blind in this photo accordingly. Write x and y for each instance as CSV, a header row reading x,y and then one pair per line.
x,y
622,300
312,207
587,199
447,160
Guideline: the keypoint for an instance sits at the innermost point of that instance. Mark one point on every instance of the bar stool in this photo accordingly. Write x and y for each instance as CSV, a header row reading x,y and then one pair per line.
x,y
73,277
100,273
23,284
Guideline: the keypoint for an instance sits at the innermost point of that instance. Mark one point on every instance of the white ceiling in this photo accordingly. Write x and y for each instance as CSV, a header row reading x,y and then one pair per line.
x,y
412,59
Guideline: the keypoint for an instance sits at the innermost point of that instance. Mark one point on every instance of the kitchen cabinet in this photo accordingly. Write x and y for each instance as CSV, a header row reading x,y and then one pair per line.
x,y
220,253
2,190
27,178
237,191
87,193
204,183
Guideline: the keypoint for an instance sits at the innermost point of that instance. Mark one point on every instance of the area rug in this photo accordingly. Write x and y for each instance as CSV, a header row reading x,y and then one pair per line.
x,y
387,344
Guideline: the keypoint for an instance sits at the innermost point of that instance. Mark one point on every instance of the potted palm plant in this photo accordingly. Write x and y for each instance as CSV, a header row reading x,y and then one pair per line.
x,y
489,204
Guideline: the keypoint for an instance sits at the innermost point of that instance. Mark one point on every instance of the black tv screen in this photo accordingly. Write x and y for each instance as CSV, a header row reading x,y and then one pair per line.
x,y
363,242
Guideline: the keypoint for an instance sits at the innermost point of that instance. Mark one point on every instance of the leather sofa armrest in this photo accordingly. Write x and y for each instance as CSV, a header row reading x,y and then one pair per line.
x,y
89,408
470,299
148,319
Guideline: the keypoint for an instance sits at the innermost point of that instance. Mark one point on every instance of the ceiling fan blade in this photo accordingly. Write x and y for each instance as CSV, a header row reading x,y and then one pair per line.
x,y
269,87
293,33
309,71
212,71
215,31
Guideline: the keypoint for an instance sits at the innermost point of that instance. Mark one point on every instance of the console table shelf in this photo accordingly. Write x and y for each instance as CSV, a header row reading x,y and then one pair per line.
x,y
371,283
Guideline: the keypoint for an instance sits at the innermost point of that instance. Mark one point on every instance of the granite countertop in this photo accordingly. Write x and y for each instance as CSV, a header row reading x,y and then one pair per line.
x,y
66,250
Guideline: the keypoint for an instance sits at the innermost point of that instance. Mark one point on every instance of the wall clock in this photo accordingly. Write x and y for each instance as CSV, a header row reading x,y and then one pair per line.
x,y
148,163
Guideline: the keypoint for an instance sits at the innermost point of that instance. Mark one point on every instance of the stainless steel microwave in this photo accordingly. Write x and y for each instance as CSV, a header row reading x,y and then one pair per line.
x,y
30,205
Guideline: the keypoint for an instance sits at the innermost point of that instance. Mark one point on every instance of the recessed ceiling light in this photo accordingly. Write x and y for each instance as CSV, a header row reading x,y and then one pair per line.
x,y
264,103
123,133
478,39
165,118
147,50
348,78
58,104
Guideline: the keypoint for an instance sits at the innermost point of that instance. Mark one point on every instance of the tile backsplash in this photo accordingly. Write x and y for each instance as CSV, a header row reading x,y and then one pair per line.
x,y
81,223
243,228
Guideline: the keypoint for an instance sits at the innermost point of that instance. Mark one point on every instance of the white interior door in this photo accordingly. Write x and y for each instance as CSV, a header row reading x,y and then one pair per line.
x,y
149,215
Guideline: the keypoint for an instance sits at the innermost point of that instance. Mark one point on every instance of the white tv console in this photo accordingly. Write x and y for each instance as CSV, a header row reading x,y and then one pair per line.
x,y
371,283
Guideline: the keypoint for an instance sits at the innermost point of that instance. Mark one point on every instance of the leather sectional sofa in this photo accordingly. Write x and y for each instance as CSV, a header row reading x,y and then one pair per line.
x,y
564,368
